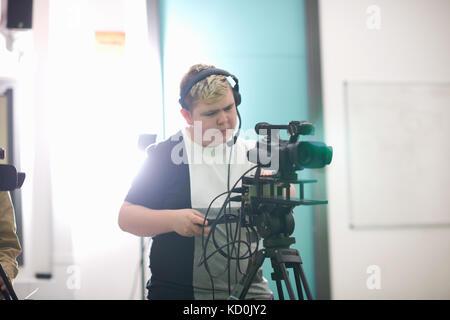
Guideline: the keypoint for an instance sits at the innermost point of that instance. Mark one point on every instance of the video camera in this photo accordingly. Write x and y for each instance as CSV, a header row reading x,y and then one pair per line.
x,y
267,206
266,200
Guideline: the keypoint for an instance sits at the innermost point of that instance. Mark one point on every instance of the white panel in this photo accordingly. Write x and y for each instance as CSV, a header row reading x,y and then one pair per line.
x,y
398,153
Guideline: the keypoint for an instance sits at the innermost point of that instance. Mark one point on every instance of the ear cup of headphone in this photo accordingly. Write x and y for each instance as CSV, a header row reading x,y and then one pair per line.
x,y
237,97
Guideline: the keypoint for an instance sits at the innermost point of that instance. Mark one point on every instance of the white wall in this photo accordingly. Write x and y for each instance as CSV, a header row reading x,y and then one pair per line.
x,y
410,45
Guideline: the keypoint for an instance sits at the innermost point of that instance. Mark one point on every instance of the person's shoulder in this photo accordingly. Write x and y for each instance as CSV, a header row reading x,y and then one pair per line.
x,y
169,151
165,146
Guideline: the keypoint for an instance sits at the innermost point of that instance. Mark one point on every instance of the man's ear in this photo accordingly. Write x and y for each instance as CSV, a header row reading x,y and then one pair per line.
x,y
187,116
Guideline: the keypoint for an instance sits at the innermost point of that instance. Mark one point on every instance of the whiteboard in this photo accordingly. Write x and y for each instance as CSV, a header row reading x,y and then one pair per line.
x,y
398,152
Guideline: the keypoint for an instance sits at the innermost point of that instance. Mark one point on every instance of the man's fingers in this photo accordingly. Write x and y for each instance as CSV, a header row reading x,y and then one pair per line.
x,y
199,230
198,214
199,219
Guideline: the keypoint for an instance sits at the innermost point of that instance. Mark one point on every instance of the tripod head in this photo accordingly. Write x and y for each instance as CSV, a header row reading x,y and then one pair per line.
x,y
268,206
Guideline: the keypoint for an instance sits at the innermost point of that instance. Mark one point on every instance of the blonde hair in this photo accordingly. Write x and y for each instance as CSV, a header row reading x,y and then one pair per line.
x,y
209,90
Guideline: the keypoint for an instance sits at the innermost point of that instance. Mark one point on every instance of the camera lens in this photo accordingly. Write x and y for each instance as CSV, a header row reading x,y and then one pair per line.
x,y
310,154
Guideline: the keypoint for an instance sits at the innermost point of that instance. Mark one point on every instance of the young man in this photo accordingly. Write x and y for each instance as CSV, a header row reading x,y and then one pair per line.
x,y
170,196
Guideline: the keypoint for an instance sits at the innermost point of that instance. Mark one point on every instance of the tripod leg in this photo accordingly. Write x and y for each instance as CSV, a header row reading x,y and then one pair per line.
x,y
305,283
298,283
277,276
285,274
287,282
241,289
295,261
280,290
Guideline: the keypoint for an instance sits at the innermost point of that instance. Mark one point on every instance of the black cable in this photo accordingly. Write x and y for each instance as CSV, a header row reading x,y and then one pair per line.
x,y
229,208
224,245
203,242
218,246
206,215
204,261
218,217
219,249
249,251
225,202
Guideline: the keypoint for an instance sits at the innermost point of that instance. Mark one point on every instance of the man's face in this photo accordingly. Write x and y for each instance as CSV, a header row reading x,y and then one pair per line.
x,y
215,121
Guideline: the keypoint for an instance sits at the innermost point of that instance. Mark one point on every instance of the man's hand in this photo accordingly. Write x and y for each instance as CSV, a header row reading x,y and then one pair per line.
x,y
189,223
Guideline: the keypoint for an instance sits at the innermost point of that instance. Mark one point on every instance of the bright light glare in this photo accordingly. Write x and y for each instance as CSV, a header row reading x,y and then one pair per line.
x,y
99,104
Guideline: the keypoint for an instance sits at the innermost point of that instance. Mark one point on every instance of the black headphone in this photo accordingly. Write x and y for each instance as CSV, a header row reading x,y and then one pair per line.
x,y
203,75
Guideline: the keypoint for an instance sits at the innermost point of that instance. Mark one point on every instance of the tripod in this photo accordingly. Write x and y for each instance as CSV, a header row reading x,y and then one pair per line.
x,y
281,257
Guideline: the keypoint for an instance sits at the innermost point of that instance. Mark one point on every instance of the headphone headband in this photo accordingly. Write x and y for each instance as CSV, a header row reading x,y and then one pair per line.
x,y
203,75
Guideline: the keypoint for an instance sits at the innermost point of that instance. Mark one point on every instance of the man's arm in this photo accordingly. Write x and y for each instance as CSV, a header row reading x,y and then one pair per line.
x,y
145,222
